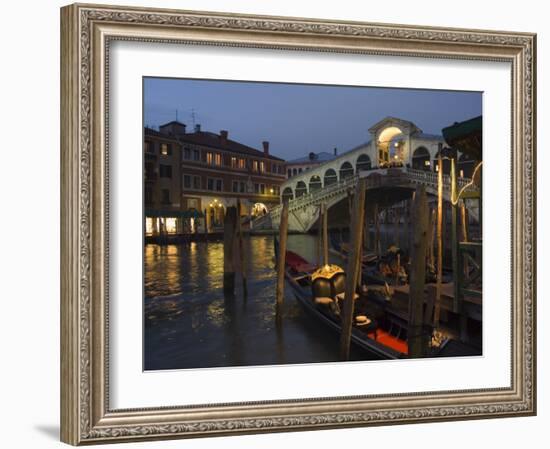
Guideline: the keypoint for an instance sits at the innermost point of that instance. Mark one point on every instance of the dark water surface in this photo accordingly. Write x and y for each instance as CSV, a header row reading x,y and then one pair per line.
x,y
190,324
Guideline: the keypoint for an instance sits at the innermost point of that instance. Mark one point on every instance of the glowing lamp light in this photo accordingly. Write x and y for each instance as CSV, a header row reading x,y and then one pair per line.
x,y
427,163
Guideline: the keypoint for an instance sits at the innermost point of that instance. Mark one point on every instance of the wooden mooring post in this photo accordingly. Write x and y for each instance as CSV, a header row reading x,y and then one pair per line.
x,y
437,309
205,225
229,237
420,214
366,232
396,219
356,241
283,233
241,249
432,233
376,230
325,234
320,237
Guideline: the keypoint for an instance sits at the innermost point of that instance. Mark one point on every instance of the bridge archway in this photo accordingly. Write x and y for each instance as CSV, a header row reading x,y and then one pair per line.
x,y
363,163
315,183
288,194
301,189
330,177
390,146
421,159
346,170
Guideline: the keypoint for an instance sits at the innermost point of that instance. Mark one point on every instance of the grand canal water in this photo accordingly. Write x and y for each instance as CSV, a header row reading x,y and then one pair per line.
x,y
190,324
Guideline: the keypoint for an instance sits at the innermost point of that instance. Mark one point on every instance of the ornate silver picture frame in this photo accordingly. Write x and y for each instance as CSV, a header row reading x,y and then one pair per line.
x,y
87,32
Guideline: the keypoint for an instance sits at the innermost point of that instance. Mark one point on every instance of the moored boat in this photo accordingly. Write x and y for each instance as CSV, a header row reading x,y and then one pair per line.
x,y
320,291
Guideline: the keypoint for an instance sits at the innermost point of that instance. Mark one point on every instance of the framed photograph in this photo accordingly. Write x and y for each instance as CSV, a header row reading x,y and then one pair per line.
x,y
277,224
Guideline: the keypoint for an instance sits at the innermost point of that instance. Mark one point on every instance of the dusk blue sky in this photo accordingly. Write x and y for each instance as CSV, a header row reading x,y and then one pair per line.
x,y
299,118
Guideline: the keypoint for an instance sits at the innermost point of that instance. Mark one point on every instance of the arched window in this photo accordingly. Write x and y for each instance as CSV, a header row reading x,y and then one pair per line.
x,y
315,183
287,194
421,159
346,170
330,177
363,163
301,189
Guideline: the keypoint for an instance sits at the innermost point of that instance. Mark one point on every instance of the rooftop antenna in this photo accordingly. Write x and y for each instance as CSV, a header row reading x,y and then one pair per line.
x,y
176,115
193,116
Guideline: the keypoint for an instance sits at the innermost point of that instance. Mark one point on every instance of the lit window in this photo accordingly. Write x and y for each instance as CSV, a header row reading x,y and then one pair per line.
x,y
242,164
262,167
209,158
233,162
164,149
171,225
218,159
149,229
255,166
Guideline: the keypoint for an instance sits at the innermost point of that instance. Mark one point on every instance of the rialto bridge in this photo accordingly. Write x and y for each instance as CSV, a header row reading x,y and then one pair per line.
x,y
396,159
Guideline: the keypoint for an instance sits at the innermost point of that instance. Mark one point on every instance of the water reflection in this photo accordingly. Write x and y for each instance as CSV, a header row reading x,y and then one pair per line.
x,y
190,324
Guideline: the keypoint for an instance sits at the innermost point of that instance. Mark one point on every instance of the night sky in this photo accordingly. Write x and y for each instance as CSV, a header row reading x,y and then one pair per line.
x,y
299,118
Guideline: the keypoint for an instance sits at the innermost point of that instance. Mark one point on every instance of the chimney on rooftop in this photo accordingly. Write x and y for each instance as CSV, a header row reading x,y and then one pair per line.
x,y
265,144
335,151
223,136
197,128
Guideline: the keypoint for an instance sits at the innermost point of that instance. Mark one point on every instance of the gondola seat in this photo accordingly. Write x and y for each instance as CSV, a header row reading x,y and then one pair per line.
x,y
323,300
341,296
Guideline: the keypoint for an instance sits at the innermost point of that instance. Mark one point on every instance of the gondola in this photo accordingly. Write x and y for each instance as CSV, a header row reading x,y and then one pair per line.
x,y
320,292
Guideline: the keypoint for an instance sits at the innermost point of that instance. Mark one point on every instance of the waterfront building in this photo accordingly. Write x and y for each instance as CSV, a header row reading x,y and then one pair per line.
x,y
162,185
214,172
296,166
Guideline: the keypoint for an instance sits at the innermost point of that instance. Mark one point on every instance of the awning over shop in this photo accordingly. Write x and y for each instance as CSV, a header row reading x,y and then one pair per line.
x,y
191,213
466,137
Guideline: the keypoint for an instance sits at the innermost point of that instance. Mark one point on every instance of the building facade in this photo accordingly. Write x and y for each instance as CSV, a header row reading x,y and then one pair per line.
x,y
296,166
162,185
213,172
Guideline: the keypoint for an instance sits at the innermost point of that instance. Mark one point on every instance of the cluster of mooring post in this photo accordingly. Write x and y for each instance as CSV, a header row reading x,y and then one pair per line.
x,y
233,250
283,234
420,214
356,241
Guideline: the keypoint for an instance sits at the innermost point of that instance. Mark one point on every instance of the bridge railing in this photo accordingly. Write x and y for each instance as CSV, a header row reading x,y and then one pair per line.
x,y
388,177
317,195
